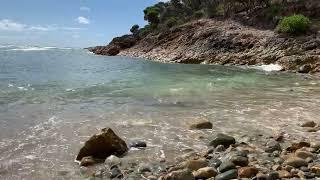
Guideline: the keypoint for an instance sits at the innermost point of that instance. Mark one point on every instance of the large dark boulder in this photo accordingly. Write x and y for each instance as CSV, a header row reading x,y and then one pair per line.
x,y
103,145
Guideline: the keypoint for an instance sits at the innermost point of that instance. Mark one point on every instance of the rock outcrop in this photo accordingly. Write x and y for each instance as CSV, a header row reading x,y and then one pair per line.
x,y
228,42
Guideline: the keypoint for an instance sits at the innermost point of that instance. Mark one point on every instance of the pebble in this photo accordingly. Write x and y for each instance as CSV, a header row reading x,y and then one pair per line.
x,y
296,162
202,125
143,167
273,175
261,176
87,161
138,144
205,173
226,166
272,146
239,160
309,124
115,173
222,139
215,163
227,175
184,174
316,169
113,160
247,172
284,174
304,154
193,164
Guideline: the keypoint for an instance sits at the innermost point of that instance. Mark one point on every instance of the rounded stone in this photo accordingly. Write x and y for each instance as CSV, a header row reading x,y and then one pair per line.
x,y
137,144
226,166
231,174
205,173
222,139
296,162
247,172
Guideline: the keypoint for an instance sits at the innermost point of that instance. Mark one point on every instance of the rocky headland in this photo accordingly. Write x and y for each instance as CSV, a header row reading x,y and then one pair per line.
x,y
209,41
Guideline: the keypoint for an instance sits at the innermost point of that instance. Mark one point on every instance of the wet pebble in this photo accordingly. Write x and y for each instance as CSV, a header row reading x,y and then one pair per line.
x,y
222,139
227,175
137,144
226,166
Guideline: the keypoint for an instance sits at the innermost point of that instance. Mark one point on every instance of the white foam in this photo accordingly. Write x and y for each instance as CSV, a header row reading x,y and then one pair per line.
x,y
269,67
34,48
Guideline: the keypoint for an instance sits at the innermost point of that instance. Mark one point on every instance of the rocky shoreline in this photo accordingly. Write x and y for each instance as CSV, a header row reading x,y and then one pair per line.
x,y
210,41
103,156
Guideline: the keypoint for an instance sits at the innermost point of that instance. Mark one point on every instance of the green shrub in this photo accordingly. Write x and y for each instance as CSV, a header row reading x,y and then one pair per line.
x,y
295,24
135,29
171,22
198,14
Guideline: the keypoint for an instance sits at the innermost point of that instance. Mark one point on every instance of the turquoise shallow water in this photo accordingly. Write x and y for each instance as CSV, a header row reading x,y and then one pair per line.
x,y
52,100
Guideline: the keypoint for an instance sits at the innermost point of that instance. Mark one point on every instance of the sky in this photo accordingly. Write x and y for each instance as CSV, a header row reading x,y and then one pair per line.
x,y
68,23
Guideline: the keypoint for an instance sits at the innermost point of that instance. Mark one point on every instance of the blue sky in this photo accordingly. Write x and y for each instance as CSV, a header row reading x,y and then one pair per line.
x,y
68,23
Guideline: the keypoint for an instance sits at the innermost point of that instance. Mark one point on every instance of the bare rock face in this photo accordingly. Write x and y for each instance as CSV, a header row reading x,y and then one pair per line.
x,y
103,145
115,46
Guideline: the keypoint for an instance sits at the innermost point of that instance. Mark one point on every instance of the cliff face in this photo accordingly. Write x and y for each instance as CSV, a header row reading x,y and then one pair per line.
x,y
229,42
224,42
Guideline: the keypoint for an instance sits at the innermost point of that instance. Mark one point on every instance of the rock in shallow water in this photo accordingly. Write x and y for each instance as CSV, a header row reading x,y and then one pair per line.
x,y
201,125
113,160
138,144
222,139
87,161
103,145
309,124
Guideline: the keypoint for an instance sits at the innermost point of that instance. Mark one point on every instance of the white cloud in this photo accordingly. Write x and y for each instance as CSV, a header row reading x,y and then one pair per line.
x,y
84,8
82,20
10,25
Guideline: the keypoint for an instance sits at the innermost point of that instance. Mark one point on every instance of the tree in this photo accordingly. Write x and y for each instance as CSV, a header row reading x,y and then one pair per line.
x,y
135,29
151,14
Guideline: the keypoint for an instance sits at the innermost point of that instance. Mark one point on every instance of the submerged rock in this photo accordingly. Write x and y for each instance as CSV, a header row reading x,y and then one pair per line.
x,y
309,124
137,144
102,145
201,125
222,139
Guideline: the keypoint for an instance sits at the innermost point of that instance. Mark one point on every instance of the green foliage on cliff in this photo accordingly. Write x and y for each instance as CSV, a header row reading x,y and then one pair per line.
x,y
134,29
295,24
165,15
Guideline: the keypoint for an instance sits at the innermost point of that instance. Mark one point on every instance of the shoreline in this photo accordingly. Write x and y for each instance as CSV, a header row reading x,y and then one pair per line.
x,y
209,41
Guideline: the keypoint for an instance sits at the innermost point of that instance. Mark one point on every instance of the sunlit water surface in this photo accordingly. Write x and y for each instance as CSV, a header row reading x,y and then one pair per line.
x,y
52,100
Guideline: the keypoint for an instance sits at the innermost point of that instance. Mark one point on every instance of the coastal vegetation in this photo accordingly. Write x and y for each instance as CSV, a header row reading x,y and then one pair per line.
x,y
295,24
164,15
226,32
